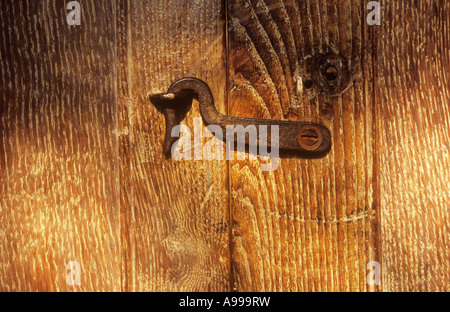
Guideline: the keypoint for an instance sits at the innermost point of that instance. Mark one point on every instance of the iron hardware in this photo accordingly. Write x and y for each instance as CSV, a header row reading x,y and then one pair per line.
x,y
296,139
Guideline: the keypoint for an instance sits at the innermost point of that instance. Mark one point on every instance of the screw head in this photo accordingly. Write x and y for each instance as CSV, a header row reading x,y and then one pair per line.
x,y
310,138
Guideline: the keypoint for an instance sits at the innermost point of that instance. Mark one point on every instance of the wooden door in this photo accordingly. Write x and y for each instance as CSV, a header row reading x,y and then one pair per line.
x,y
85,187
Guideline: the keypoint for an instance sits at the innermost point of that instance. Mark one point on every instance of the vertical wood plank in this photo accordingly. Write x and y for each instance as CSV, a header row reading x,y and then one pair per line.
x,y
175,229
58,150
413,92
311,225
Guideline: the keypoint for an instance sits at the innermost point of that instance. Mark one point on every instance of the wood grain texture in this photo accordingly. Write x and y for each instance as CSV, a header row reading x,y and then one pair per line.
x,y
175,229
83,177
311,225
413,94
58,151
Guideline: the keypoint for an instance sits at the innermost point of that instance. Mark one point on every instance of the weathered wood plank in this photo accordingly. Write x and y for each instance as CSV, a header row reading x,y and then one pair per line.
x,y
78,183
58,150
413,96
175,214
312,224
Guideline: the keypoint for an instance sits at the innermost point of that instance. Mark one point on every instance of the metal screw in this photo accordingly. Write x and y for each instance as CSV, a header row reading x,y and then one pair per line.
x,y
310,138
331,73
168,96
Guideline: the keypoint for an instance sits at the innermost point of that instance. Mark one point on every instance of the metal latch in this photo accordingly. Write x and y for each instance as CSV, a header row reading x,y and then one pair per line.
x,y
296,139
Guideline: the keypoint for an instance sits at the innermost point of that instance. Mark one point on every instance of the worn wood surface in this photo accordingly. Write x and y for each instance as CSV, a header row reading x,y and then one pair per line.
x,y
413,96
58,152
311,224
83,177
176,219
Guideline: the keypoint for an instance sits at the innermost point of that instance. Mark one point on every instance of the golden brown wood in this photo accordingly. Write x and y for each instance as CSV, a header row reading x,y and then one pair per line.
x,y
83,177
311,224
58,151
175,214
413,96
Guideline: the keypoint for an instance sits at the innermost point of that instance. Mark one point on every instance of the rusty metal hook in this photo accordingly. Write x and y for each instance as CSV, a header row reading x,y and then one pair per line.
x,y
301,139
